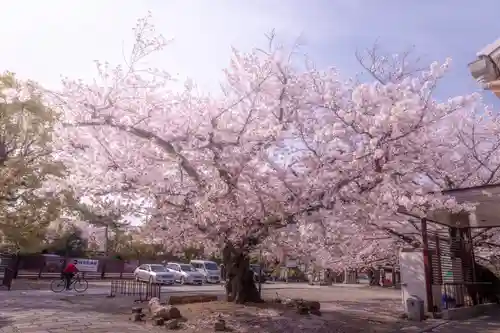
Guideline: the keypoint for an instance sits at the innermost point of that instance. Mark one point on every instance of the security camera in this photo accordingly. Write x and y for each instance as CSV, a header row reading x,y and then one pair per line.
x,y
486,68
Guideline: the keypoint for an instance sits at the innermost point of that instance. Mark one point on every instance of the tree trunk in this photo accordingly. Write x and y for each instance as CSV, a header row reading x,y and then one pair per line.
x,y
240,284
374,276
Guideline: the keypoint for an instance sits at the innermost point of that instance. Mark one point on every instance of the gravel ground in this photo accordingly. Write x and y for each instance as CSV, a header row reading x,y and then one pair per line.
x,y
343,310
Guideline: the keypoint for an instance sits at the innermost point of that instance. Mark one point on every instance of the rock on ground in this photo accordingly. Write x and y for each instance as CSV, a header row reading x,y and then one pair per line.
x,y
165,312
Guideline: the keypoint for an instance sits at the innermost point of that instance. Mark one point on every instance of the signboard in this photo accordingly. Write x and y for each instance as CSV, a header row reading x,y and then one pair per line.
x,y
86,265
291,263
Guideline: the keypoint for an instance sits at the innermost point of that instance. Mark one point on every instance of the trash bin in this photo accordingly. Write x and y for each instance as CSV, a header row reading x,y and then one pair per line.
x,y
415,308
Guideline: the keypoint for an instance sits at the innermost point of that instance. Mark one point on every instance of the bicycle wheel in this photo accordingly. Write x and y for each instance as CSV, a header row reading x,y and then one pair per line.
x,y
58,285
80,285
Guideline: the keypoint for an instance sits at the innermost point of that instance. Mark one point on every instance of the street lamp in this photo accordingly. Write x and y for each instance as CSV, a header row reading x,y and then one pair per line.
x,y
486,68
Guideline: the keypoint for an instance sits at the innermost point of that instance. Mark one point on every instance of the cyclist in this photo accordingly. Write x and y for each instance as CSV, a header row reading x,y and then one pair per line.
x,y
69,272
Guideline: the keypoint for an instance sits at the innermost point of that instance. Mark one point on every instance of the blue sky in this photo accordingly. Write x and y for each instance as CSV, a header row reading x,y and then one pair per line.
x,y
46,39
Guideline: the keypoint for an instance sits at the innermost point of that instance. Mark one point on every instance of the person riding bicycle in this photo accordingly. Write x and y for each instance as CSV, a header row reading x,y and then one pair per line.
x,y
69,272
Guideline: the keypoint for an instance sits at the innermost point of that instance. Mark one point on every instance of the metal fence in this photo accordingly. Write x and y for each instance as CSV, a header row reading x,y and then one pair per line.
x,y
50,267
451,270
141,290
457,295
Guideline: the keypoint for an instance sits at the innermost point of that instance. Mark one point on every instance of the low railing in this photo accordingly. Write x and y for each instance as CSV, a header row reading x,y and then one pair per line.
x,y
32,275
466,294
50,266
142,290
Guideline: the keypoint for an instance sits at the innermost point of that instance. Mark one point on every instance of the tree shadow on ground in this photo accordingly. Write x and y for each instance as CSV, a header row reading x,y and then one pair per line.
x,y
30,284
262,318
46,313
288,320
5,321
380,306
275,317
488,323
71,303
347,317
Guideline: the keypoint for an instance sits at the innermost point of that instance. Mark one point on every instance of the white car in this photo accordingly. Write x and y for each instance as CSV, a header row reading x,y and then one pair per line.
x,y
209,269
154,273
185,273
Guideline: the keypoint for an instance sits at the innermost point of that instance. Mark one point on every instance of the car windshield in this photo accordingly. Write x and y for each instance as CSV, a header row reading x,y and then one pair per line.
x,y
158,268
187,268
211,266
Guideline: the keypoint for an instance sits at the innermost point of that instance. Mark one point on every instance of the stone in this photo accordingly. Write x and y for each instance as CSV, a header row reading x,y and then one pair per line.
x,y
188,299
173,312
165,312
220,325
137,317
305,307
158,321
160,311
136,309
172,324
312,305
302,310
315,312
153,302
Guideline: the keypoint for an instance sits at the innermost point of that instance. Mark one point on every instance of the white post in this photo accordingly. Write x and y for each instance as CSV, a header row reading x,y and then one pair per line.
x,y
413,281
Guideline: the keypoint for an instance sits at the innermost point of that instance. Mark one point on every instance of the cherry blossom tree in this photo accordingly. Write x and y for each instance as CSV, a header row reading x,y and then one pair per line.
x,y
471,156
283,156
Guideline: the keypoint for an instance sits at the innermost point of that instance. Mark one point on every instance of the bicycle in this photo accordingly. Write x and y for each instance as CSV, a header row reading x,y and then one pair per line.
x,y
78,283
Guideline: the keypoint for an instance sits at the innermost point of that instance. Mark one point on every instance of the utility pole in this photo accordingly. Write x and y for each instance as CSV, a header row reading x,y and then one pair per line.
x,y
260,272
106,240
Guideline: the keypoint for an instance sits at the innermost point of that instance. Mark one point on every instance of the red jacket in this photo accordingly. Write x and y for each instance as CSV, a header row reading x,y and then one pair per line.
x,y
71,268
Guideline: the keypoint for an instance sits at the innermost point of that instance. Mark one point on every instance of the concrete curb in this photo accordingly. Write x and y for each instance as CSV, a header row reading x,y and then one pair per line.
x,y
432,327
352,285
427,328
470,312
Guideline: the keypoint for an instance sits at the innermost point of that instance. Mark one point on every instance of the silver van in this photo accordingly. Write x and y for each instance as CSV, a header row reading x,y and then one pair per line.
x,y
209,269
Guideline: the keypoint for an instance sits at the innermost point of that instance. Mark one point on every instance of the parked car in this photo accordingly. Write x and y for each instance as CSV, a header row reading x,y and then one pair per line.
x,y
185,273
256,268
154,273
209,269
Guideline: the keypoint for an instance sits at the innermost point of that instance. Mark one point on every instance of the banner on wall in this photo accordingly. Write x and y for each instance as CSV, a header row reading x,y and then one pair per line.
x,y
291,263
86,265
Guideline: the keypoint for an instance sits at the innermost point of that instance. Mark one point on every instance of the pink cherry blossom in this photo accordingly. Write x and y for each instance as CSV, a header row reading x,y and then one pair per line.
x,y
296,160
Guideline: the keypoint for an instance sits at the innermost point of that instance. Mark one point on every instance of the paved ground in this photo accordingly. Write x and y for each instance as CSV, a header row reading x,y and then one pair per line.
x,y
484,324
103,288
355,309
